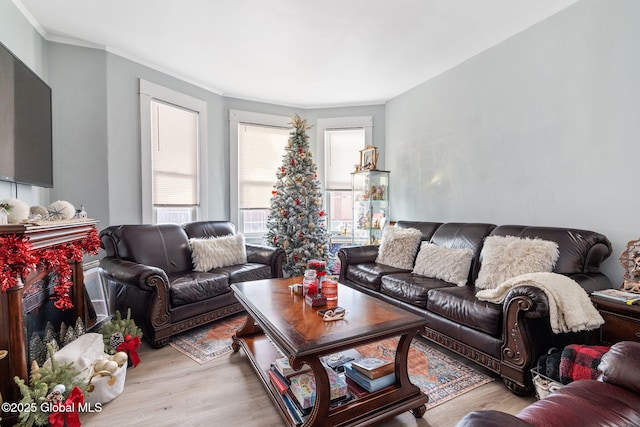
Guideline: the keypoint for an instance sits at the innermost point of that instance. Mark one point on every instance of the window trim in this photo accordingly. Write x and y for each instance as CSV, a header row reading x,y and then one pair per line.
x,y
147,92
337,123
236,118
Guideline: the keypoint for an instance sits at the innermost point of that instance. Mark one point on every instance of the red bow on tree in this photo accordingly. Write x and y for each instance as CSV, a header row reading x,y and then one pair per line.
x,y
129,346
68,416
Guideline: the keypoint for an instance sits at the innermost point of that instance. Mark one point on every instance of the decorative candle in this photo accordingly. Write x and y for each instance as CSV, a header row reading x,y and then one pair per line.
x,y
330,289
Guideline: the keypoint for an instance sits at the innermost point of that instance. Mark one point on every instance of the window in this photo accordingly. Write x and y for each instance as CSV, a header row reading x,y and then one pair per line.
x,y
173,136
343,139
257,146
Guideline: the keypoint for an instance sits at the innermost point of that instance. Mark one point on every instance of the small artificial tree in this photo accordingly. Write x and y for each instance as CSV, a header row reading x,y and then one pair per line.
x,y
296,220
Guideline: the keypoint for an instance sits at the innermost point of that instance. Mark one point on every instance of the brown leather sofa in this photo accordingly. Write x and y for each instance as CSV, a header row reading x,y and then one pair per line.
x,y
150,270
506,338
612,400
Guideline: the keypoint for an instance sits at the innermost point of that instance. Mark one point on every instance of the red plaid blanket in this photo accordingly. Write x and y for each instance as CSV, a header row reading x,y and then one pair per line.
x,y
580,362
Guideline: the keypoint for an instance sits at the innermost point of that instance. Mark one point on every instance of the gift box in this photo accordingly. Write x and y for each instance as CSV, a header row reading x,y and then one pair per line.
x,y
317,300
303,387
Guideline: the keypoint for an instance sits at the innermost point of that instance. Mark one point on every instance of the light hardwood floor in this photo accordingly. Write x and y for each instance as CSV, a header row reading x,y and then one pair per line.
x,y
168,388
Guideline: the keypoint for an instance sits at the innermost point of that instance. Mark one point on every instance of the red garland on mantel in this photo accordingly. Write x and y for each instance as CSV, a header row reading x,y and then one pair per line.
x,y
18,258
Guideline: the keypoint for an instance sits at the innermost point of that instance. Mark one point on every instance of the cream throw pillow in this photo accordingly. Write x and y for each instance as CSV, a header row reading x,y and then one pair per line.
x,y
214,252
450,265
398,247
504,257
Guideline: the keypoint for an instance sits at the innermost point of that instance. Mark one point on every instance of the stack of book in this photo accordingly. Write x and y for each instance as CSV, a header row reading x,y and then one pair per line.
x,y
282,365
298,388
337,360
371,373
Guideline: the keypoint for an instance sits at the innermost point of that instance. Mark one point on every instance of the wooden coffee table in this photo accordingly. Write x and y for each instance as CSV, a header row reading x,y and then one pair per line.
x,y
302,335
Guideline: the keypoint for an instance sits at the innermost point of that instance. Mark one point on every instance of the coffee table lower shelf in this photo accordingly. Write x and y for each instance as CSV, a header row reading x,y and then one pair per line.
x,y
366,410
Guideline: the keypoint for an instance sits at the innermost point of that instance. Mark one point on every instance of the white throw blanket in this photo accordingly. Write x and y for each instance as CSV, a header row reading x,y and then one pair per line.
x,y
570,309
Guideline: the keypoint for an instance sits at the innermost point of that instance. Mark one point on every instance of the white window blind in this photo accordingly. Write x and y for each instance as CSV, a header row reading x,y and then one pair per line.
x,y
175,160
342,153
260,151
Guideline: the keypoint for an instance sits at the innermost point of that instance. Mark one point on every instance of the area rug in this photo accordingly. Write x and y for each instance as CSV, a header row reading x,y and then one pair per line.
x,y
207,342
438,375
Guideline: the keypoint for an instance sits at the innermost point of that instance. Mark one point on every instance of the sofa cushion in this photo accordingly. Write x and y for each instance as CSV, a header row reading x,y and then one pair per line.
x,y
410,288
203,229
505,257
427,229
616,362
464,235
459,304
186,288
450,265
585,403
169,242
581,251
398,247
370,274
245,272
214,252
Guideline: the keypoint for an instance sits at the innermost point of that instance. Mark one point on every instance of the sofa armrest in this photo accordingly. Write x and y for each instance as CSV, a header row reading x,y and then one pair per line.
x,y
526,334
267,255
143,289
356,255
491,419
537,303
129,273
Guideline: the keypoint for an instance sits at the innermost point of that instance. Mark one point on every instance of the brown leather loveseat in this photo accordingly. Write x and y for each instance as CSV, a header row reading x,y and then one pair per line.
x,y
506,338
612,400
150,269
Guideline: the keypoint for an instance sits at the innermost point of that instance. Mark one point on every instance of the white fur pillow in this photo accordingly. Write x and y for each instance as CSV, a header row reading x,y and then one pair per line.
x,y
504,257
450,265
214,252
398,247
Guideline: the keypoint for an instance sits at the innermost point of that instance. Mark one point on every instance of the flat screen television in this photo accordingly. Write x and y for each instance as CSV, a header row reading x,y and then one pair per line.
x,y
26,148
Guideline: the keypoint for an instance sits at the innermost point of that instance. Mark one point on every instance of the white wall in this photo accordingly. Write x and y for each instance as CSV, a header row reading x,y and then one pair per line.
x,y
542,129
79,91
124,173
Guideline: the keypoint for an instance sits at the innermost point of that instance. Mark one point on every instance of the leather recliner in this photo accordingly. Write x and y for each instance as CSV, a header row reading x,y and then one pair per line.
x,y
612,400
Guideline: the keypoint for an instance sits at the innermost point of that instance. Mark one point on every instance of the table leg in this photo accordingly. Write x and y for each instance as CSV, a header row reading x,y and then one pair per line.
x,y
402,356
249,327
419,411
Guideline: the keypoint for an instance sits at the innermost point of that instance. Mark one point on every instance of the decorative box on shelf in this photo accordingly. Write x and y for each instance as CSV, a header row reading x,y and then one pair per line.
x,y
303,387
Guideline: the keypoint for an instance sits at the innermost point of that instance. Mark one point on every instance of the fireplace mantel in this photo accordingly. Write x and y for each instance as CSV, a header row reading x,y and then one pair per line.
x,y
12,310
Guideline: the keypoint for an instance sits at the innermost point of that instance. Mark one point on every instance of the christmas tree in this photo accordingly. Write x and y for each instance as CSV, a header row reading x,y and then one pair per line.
x,y
296,220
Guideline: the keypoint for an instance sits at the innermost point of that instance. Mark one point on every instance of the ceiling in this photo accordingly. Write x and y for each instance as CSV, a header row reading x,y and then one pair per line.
x,y
302,53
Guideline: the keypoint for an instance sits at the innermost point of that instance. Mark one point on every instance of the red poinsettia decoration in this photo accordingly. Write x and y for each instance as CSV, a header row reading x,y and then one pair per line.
x,y
17,258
